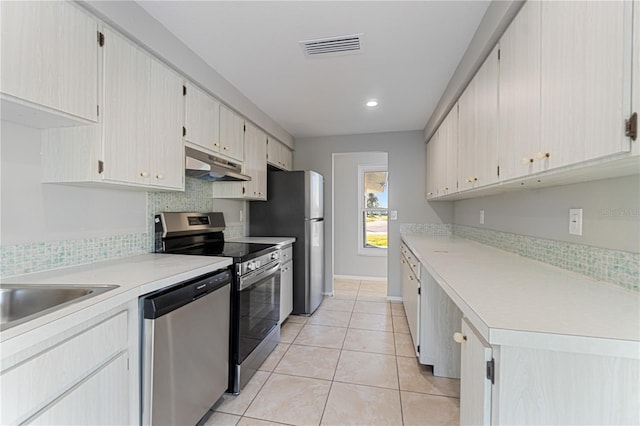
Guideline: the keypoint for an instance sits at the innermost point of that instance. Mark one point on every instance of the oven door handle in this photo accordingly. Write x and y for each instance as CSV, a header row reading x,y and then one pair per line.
x,y
249,281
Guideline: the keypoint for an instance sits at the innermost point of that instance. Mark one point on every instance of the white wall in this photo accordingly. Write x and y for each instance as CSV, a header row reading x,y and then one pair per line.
x,y
346,198
36,212
406,159
611,210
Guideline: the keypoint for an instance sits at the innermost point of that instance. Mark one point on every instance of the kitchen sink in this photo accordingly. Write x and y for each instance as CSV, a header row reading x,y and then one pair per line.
x,y
21,303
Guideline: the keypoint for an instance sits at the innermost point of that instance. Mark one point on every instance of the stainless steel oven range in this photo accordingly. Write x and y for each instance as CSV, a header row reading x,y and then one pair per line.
x,y
255,295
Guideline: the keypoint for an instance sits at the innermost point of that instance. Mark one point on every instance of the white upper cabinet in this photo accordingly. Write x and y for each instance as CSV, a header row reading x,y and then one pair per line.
x,y
49,60
231,134
279,155
442,158
138,142
478,128
143,115
519,122
432,172
255,163
202,118
585,79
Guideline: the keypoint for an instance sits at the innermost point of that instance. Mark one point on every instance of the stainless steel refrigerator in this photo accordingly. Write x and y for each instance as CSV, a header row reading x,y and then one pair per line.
x,y
294,208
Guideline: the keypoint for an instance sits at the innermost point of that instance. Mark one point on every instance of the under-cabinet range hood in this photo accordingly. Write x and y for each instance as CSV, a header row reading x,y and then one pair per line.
x,y
202,165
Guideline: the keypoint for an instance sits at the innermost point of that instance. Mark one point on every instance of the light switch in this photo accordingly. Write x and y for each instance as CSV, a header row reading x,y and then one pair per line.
x,y
481,217
575,221
393,215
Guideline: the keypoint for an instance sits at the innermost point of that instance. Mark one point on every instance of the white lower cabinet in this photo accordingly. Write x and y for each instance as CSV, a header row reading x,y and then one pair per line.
x,y
286,290
79,376
475,387
411,294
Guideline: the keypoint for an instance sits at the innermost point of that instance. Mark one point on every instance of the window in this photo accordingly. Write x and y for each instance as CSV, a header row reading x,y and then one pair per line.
x,y
374,210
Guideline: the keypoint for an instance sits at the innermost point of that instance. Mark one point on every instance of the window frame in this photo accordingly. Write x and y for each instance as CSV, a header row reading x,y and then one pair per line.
x,y
361,249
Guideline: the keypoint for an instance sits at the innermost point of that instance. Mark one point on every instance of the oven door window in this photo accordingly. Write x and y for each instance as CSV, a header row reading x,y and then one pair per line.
x,y
259,313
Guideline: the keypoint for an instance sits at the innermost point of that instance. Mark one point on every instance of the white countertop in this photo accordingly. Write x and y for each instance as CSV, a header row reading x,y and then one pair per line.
x,y
264,240
514,300
135,276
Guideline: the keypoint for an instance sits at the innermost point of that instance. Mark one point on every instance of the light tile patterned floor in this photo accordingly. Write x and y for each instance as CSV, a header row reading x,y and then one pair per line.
x,y
350,363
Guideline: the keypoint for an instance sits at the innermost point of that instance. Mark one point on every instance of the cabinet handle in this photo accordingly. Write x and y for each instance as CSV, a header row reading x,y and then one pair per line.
x,y
402,260
160,177
226,148
542,155
410,277
459,337
414,265
431,193
216,144
144,174
527,160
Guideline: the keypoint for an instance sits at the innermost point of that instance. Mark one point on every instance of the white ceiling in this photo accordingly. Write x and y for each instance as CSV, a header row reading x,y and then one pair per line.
x,y
411,50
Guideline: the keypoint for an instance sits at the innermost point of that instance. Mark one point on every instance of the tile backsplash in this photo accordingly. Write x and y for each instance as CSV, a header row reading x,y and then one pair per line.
x,y
613,266
41,256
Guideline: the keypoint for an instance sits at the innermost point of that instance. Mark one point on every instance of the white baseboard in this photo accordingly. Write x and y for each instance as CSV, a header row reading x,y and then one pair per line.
x,y
328,293
394,299
360,278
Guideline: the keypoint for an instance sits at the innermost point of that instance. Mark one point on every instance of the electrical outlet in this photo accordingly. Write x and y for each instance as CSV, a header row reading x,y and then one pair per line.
x,y
393,215
481,217
575,221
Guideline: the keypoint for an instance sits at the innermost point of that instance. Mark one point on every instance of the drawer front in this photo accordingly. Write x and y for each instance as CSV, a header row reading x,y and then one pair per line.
x,y
286,254
36,382
411,260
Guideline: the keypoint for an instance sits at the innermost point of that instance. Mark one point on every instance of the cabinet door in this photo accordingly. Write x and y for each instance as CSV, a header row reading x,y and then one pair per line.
x,y
255,163
125,113
585,81
287,157
50,56
202,118
166,114
231,134
475,388
286,290
431,185
466,137
519,121
449,153
486,112
102,399
411,300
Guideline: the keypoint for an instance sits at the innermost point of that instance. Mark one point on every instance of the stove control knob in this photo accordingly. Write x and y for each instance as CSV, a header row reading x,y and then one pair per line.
x,y
251,266
257,263
274,255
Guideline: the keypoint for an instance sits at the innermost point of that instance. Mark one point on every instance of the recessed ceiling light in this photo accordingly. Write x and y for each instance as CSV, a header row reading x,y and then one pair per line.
x,y
372,103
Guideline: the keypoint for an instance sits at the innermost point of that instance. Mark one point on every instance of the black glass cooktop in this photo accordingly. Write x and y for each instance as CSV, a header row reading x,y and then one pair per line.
x,y
239,251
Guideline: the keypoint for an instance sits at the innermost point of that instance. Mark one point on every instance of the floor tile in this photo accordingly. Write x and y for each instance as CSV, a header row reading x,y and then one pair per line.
x,y
367,369
379,287
371,322
333,304
371,296
222,419
419,378
232,404
372,307
404,345
339,284
248,421
292,400
369,341
400,324
274,357
350,404
345,294
397,309
422,409
308,361
320,335
289,331
327,317
296,319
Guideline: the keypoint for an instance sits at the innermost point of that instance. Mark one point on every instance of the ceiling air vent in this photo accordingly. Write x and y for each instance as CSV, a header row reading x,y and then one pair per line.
x,y
333,45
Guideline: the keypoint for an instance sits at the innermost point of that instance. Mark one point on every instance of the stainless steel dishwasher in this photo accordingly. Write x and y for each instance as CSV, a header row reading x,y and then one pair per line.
x,y
185,349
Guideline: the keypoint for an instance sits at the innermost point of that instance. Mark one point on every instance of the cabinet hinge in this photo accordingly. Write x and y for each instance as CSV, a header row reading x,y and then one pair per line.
x,y
491,370
498,171
98,110
100,39
244,127
631,126
100,166
184,131
419,292
498,54
243,190
418,349
184,90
